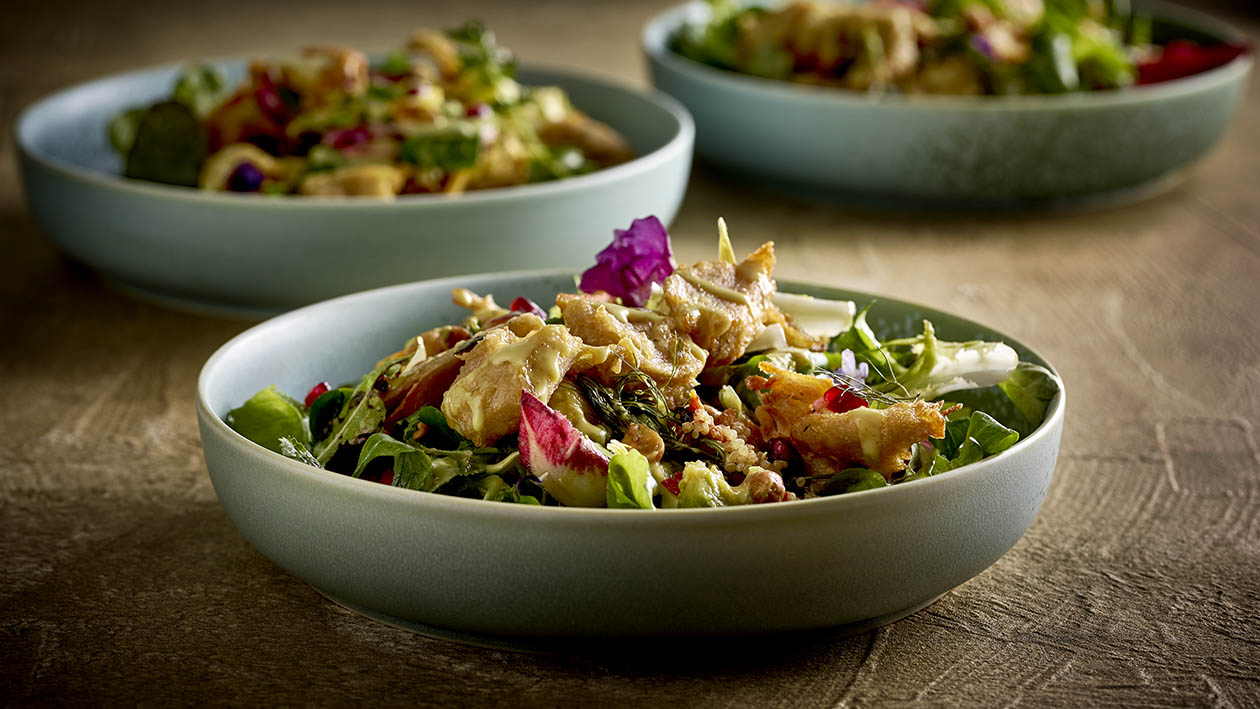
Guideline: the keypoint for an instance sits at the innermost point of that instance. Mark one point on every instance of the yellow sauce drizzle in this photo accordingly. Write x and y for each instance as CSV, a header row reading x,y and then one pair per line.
x,y
722,292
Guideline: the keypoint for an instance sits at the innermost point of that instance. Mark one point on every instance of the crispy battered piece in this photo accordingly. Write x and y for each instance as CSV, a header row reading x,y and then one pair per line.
x,y
597,140
636,338
795,336
484,402
830,37
355,181
878,439
327,71
722,306
438,47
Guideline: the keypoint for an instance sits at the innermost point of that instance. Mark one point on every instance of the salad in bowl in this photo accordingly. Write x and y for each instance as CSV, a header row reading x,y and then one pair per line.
x,y
444,114
657,385
957,47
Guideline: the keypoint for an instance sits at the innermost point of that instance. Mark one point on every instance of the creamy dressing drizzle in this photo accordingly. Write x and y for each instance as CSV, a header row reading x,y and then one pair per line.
x,y
632,315
540,358
870,426
712,288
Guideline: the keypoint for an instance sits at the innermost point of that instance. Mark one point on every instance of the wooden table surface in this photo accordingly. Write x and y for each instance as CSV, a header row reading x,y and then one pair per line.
x,y
121,580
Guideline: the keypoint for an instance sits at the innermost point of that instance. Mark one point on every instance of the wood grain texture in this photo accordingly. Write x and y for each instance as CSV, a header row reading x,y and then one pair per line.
x,y
1138,585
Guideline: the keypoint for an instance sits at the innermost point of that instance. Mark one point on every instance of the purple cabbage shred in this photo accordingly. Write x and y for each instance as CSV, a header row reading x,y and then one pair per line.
x,y
636,258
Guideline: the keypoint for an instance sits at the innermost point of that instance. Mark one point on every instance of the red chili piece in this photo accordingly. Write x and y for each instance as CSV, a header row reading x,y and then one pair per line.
x,y
316,392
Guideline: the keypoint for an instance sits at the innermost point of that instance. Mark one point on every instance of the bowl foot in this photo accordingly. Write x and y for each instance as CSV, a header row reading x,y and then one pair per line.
x,y
634,646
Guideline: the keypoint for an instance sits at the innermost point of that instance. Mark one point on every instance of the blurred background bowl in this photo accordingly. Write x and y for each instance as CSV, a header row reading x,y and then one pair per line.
x,y
253,255
444,564
934,150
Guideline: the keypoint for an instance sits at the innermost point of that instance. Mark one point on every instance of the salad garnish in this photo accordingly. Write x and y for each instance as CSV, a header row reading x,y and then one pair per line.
x,y
678,385
443,114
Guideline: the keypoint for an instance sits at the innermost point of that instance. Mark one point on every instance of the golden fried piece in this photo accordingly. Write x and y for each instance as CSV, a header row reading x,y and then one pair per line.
x,y
440,48
795,336
325,72
637,338
785,398
829,37
355,181
484,402
878,439
598,141
720,305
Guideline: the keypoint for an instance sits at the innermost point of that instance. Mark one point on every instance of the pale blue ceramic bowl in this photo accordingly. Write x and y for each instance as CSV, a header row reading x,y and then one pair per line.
x,y
944,150
256,255
500,574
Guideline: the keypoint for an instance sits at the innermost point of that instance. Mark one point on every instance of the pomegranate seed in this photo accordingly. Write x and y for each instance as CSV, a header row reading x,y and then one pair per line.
x,y
316,391
781,449
387,477
479,110
840,400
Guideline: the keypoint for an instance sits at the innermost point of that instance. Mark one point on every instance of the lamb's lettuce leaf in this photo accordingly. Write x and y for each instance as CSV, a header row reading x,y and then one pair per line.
x,y
269,416
628,480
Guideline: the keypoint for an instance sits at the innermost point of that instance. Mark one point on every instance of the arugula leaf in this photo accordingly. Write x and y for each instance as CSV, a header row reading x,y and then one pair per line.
x,y
439,433
169,146
379,445
360,416
268,417
290,447
496,489
627,486
715,42
363,415
852,480
452,148
199,88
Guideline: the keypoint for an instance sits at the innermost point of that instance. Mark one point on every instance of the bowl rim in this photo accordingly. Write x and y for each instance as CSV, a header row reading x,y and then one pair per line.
x,y
660,28
681,139
433,502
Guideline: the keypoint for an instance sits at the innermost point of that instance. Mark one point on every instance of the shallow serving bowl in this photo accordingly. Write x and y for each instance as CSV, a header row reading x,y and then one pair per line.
x,y
255,254
483,569
982,150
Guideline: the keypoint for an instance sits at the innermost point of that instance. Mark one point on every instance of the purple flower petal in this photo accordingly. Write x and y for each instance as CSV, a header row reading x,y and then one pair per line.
x,y
637,258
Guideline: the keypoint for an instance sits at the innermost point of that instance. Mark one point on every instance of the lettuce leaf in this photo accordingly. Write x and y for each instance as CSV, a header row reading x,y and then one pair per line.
x,y
628,477
269,416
